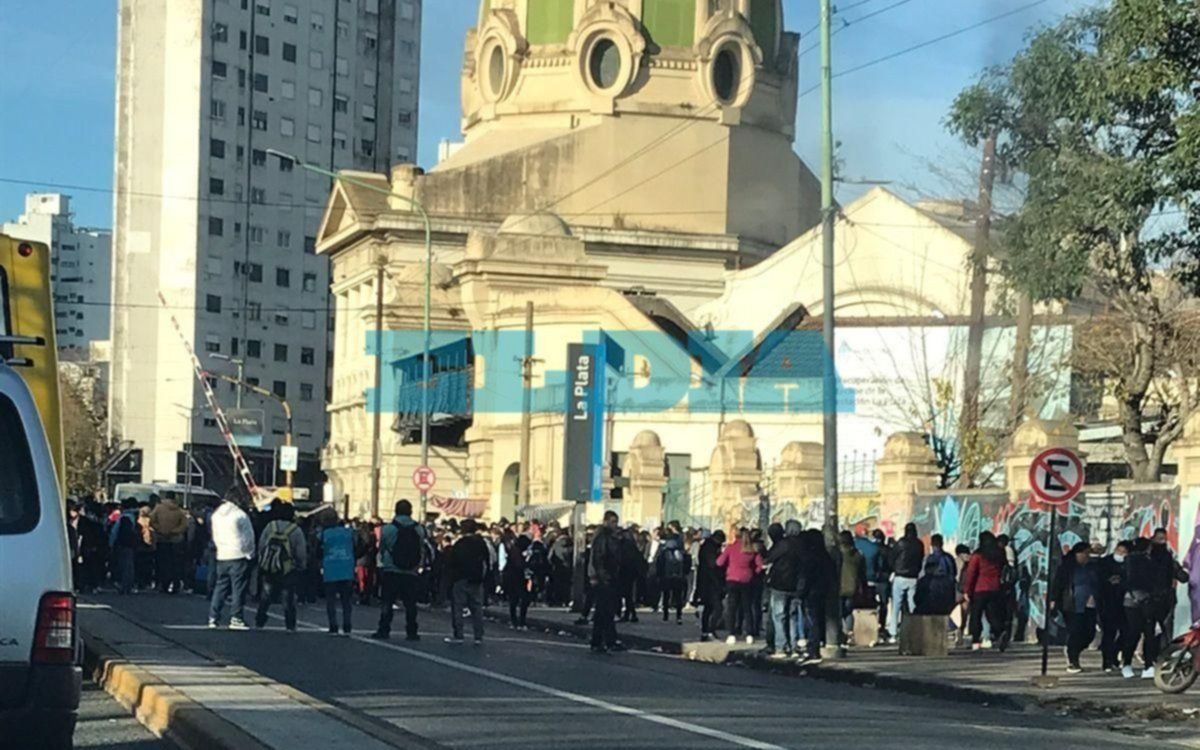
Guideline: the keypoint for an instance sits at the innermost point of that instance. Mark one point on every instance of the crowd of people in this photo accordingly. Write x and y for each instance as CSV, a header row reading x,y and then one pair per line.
x,y
779,585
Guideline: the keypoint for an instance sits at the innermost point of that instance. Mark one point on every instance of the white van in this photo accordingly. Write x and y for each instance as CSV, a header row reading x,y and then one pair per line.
x,y
39,674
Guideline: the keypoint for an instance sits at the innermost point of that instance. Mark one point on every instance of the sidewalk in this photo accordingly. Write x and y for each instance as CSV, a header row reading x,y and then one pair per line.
x,y
196,701
983,678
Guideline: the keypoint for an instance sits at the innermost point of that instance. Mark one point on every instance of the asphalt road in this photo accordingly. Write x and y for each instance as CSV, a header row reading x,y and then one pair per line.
x,y
523,688
105,724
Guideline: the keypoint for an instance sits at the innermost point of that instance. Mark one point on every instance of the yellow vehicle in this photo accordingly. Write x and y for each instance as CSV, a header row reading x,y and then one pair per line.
x,y
27,340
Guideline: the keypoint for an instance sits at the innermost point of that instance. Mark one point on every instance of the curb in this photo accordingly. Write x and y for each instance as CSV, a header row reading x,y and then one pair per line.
x,y
162,709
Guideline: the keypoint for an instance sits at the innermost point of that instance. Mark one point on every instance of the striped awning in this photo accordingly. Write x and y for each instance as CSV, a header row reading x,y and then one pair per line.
x,y
460,507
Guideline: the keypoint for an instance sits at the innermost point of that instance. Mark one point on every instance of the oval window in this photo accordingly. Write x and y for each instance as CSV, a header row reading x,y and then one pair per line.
x,y
727,71
495,74
604,64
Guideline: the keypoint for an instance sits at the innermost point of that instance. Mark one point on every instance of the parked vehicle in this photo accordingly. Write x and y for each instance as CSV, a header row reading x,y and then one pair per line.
x,y
39,674
1179,665
187,497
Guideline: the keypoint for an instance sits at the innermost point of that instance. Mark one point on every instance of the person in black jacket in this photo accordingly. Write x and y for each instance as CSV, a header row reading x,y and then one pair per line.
x,y
1167,573
710,584
672,564
783,571
516,582
466,567
1139,612
632,572
1074,593
816,576
906,564
1112,605
604,569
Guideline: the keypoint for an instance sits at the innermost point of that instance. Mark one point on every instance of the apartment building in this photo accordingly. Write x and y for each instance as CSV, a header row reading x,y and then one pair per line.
x,y
224,231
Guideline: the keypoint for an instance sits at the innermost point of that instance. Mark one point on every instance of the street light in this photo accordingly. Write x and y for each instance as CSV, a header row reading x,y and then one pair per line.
x,y
240,364
377,448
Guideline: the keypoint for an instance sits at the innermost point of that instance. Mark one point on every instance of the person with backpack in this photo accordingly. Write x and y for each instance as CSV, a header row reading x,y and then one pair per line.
x,y
937,587
282,561
337,572
537,565
984,593
233,548
403,555
672,564
124,539
467,566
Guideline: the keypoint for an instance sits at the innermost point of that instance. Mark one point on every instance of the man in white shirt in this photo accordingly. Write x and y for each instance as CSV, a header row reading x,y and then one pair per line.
x,y
233,536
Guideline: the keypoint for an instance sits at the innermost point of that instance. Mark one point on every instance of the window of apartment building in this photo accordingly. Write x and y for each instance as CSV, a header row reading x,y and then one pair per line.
x,y
406,85
343,29
342,66
243,40
219,69
258,157
310,282
213,266
281,318
241,77
407,12
370,40
366,147
261,82
291,14
258,195
237,229
279,388
254,272
216,186
404,118
252,380
314,97
286,199
233,348
281,353
371,6
314,133
241,154
403,155
341,103
306,392
241,118
368,78
256,234
262,7
216,148
368,112
286,165
318,22
217,109
253,348
283,238
212,343
220,32
287,126
283,277
287,89
254,311
339,139
262,45
260,120
289,52
216,226
408,50
308,355
308,319
315,59
212,303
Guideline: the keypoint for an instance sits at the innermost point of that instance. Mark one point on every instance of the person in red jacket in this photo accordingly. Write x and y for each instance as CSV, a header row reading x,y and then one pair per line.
x,y
984,594
741,563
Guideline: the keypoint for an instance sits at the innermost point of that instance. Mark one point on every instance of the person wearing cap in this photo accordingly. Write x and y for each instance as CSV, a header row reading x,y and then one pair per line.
x,y
467,566
1075,594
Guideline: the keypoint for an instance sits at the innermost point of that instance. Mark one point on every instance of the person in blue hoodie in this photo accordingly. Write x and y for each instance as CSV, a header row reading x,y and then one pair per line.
x,y
672,565
337,572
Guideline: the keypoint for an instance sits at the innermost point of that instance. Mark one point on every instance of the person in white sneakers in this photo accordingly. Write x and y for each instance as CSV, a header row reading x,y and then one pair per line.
x,y
233,537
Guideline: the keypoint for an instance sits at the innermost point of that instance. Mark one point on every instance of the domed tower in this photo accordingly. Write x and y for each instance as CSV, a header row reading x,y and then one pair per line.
x,y
672,115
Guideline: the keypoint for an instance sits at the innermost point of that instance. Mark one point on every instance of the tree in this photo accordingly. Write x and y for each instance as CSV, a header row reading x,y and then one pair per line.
x,y
84,442
1100,114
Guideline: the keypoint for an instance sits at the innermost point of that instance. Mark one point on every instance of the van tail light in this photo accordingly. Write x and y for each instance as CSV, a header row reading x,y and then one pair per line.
x,y
54,638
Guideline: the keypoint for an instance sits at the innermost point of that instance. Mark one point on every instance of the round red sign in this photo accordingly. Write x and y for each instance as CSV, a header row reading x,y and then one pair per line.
x,y
1056,476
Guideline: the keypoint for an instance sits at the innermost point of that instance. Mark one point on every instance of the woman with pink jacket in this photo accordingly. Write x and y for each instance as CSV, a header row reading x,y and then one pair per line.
x,y
741,563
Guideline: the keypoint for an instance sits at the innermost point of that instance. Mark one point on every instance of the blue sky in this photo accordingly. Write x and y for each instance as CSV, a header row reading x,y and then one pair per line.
x,y
57,83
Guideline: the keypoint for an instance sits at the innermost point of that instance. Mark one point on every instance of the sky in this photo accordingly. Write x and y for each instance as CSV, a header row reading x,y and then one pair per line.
x,y
57,86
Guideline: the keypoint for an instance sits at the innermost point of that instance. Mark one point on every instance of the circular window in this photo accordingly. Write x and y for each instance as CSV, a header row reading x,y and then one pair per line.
x,y
495,71
726,74
604,64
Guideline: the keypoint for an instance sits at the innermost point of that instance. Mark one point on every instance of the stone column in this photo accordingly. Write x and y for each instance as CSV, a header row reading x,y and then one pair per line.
x,y
647,479
735,471
799,478
908,465
1030,439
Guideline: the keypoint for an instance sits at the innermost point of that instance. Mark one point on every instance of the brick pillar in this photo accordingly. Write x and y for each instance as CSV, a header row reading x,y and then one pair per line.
x,y
734,473
647,470
799,478
1030,439
908,465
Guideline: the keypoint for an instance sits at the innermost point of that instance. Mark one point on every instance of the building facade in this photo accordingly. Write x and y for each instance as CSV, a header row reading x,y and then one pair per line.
x,y
223,231
80,272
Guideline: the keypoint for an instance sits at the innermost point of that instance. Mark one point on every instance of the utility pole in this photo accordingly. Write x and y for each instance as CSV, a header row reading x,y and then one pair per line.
x,y
526,408
377,424
240,364
968,425
833,622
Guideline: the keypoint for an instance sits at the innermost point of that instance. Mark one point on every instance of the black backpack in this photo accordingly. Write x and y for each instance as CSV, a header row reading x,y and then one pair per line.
x,y
407,550
674,563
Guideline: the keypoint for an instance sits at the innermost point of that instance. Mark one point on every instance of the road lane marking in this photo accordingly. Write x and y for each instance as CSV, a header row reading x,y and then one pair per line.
x,y
585,700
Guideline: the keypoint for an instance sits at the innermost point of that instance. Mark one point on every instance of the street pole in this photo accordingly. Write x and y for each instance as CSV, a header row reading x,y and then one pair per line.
x,y
240,364
526,408
377,419
1053,550
968,426
428,296
833,620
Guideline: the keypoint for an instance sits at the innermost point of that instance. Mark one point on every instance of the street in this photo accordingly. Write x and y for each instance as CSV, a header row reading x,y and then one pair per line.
x,y
521,688
105,725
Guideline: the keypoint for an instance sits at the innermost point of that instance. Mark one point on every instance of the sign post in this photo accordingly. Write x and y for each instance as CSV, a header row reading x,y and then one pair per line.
x,y
1055,478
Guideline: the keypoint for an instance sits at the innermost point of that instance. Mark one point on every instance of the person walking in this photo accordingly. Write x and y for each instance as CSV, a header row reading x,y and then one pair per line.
x,y
984,594
1111,605
282,561
337,572
604,568
467,566
1074,595
1139,611
672,564
170,525
741,563
710,584
403,555
233,542
853,580
816,578
783,571
907,558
